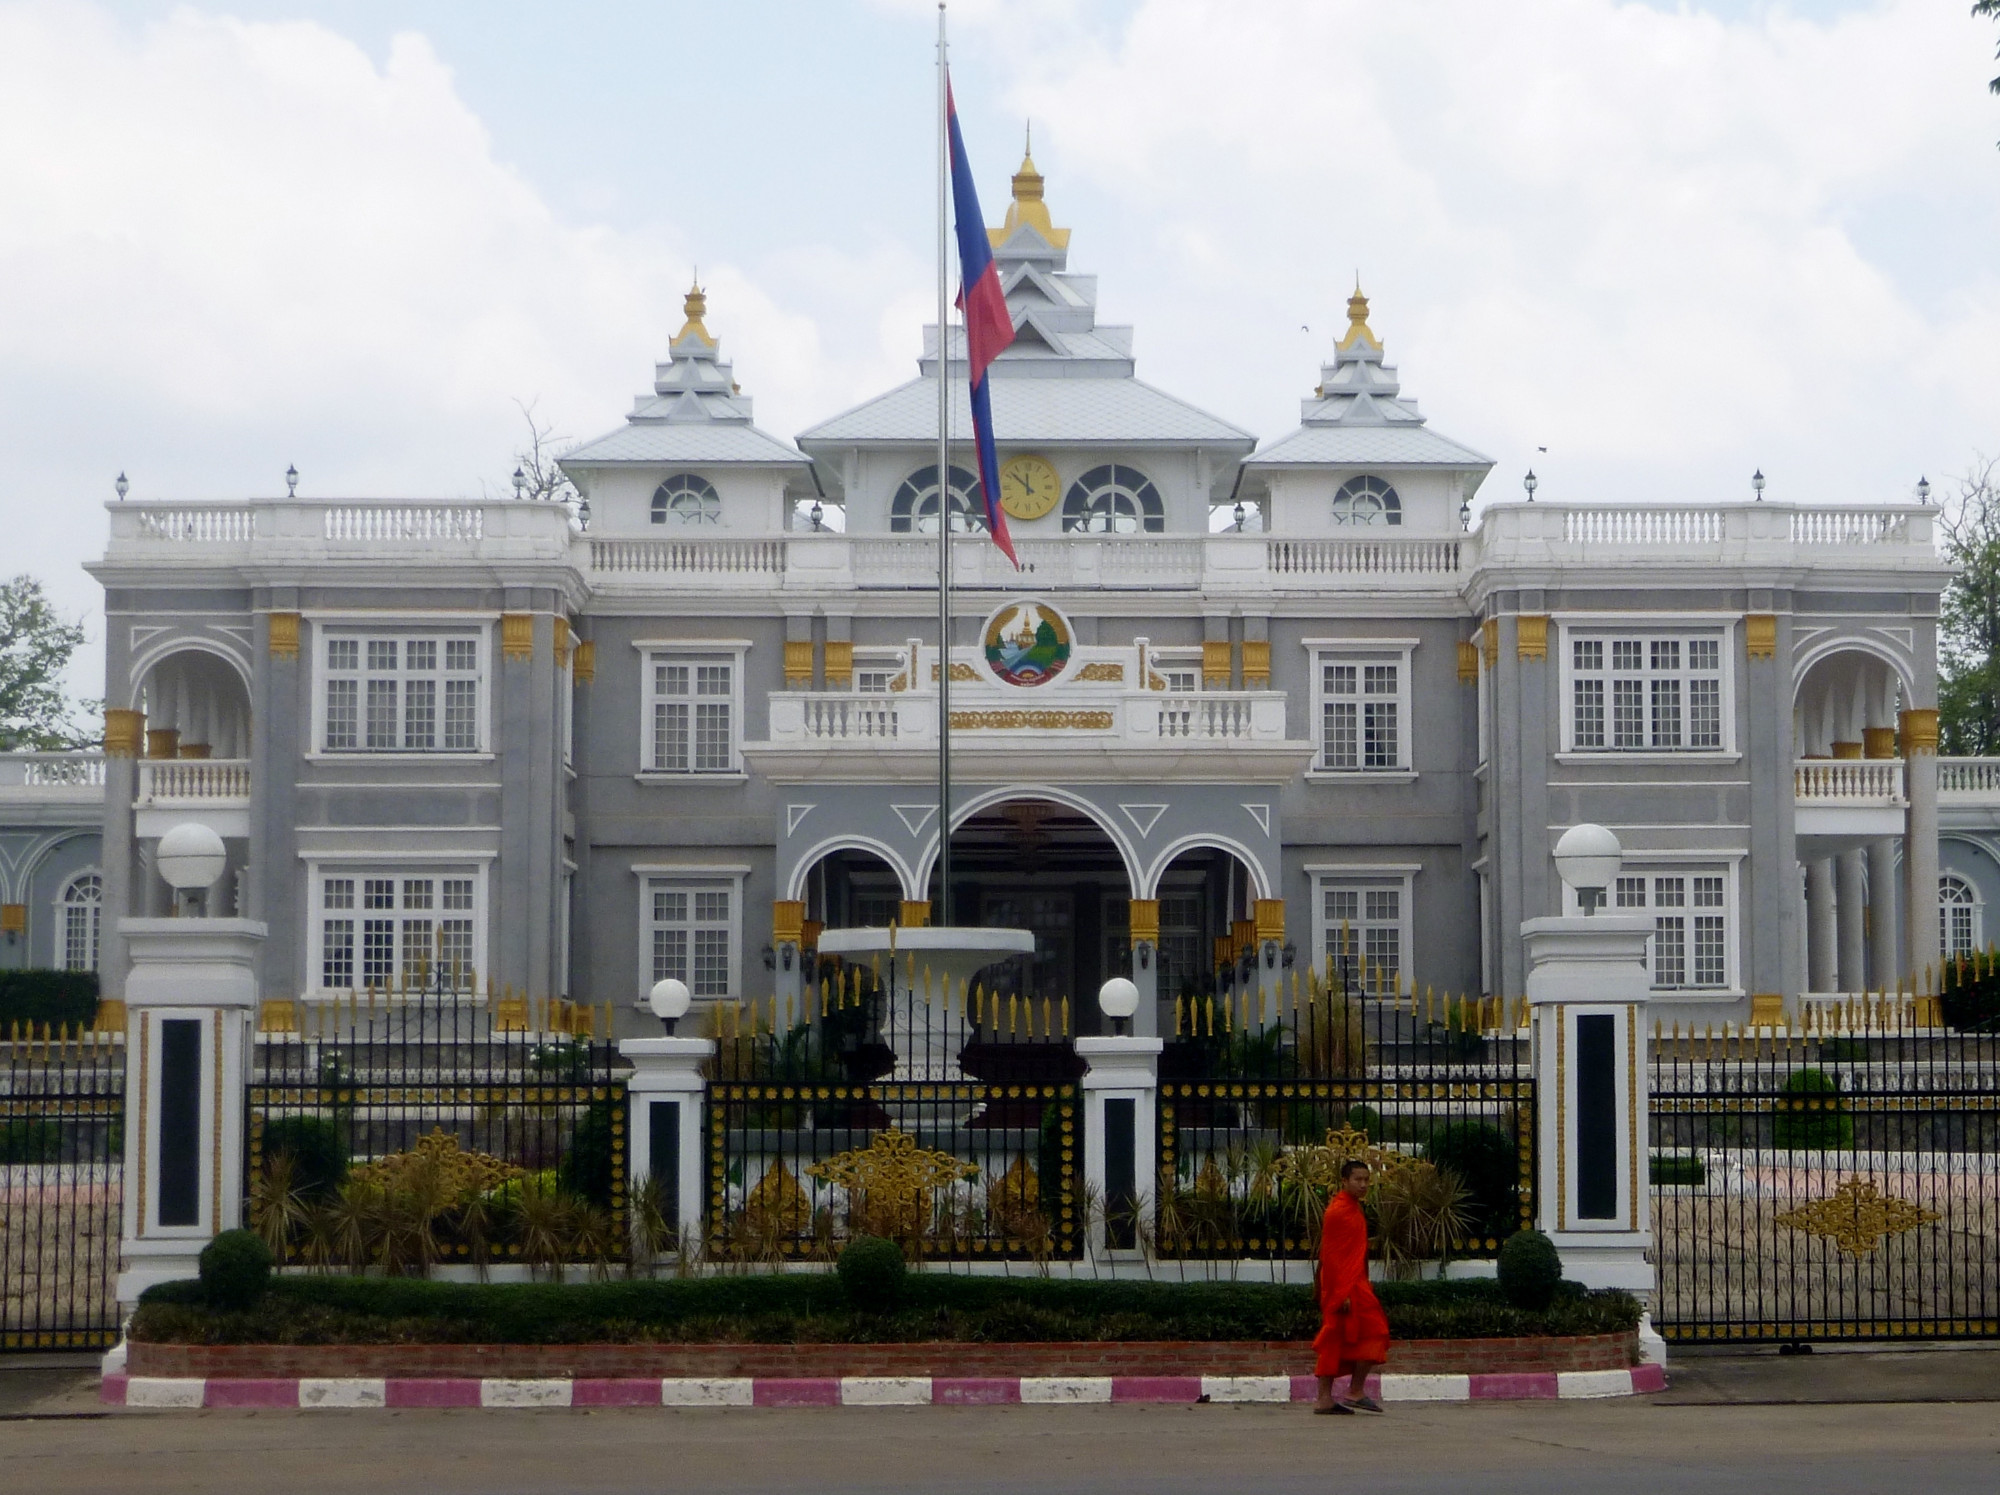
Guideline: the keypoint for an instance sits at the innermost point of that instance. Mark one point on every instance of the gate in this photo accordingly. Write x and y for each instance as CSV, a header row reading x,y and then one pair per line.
x,y
62,1140
1837,1179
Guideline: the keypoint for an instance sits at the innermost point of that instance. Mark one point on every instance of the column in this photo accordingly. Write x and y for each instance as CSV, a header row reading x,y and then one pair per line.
x,y
664,1136
788,924
1850,918
1268,925
1121,1128
1884,963
1919,733
190,1001
124,731
1821,972
1587,995
1144,929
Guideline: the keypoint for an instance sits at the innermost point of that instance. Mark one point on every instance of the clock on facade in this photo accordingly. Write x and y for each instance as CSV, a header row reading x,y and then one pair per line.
x,y
1029,487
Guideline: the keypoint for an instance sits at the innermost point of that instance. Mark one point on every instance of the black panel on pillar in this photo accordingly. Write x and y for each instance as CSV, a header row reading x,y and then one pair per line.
x,y
663,1134
1121,1173
180,1121
1596,1117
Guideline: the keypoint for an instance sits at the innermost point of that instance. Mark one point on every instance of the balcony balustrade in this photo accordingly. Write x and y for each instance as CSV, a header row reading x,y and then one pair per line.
x,y
181,781
1841,782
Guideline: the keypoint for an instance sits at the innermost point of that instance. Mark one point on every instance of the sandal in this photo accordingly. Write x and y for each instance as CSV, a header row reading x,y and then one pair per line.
x,y
1336,1410
1363,1404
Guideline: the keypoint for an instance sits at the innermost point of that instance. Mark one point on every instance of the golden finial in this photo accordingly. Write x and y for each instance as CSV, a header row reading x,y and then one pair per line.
x,y
1027,205
696,307
1357,320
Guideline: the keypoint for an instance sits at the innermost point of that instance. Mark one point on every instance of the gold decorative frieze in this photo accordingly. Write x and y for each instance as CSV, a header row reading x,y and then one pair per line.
x,y
1256,664
890,1182
1215,664
586,661
1857,1217
798,662
788,921
839,664
1268,919
284,635
517,635
1918,731
1531,636
1143,920
1468,662
1760,635
1039,721
1101,671
124,732
1489,641
959,671
1878,742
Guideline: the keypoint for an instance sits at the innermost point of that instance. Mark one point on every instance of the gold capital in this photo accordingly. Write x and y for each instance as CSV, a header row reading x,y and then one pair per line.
x,y
1468,662
1268,919
1489,641
839,663
1256,664
914,913
1531,636
517,635
284,635
788,919
1143,922
1215,664
124,731
1878,742
798,662
1919,731
1760,635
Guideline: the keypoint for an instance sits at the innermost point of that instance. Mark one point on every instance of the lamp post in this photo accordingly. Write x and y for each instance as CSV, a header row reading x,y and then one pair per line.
x,y
818,515
520,483
1465,514
669,1000
1923,489
122,486
291,480
1240,515
1587,859
1757,483
191,857
1118,999
1531,483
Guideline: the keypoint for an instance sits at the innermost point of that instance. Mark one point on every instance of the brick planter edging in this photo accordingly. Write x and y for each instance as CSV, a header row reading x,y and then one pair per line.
x,y
833,1362
358,1392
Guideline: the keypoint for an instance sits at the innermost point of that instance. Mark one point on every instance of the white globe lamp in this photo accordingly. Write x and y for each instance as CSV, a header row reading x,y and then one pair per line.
x,y
669,1000
1587,859
1118,999
190,857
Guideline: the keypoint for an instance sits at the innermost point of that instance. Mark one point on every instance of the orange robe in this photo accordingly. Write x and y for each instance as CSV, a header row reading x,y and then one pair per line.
x,y
1359,1333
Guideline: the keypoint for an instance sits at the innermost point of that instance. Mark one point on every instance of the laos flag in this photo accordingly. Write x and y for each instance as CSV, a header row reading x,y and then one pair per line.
x,y
988,326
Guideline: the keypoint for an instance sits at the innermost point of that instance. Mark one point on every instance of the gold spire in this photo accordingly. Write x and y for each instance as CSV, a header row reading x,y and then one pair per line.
x,y
696,307
1028,207
1357,320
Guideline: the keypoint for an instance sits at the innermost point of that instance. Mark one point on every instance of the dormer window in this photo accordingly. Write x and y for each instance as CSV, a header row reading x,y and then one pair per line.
x,y
687,499
1367,500
915,506
1113,500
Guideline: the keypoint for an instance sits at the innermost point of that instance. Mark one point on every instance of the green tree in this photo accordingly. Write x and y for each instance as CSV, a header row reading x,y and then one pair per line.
x,y
1991,10
35,648
1969,633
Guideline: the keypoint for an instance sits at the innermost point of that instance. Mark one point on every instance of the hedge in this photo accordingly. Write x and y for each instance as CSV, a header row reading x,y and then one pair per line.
x,y
52,997
814,1308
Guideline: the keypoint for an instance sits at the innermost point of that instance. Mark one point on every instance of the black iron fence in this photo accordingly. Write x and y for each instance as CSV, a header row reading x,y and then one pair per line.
x,y
1266,1090
880,1102
62,1140
1833,1177
411,1129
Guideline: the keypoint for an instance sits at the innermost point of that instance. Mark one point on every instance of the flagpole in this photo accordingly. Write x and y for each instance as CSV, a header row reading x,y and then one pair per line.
x,y
942,915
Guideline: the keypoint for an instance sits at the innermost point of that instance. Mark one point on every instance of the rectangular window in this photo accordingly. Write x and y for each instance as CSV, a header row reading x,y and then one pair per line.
x,y
1664,694
408,695
1690,947
692,934
1362,707
399,942
1363,934
694,716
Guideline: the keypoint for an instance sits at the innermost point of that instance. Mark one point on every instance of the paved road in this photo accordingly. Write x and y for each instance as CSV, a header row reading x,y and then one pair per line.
x,y
1533,1448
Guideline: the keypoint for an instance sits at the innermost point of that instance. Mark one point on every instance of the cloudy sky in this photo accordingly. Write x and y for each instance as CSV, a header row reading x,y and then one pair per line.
x,y
1668,242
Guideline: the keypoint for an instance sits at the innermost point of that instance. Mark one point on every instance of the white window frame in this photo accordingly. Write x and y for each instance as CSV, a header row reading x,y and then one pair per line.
x,y
1399,877
1975,908
888,661
1362,652
397,866
1179,666
1683,627
59,956
690,879
441,627
693,653
1689,864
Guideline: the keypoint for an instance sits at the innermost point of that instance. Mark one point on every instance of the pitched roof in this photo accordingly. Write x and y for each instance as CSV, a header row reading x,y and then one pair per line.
x,y
705,443
1387,446
1054,410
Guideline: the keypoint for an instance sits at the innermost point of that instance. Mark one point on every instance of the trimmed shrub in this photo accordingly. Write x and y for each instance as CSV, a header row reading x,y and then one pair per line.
x,y
1484,1159
52,997
1366,1120
30,1139
318,1152
587,1166
1809,1113
873,1273
1530,1270
235,1269
1684,1169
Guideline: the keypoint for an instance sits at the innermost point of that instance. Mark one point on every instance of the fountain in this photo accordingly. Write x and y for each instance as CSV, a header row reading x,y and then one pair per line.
x,y
926,971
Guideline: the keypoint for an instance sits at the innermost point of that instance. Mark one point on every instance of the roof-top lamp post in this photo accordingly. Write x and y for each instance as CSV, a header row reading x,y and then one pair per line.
x,y
1531,483
122,486
291,480
1923,489
1757,483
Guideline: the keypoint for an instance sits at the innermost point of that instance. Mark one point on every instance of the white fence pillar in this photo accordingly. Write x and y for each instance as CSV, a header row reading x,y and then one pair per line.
x,y
190,1003
1587,992
664,1136
1121,1128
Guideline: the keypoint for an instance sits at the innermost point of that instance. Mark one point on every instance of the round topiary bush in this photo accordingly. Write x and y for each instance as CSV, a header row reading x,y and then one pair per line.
x,y
1809,1112
235,1269
872,1272
1530,1269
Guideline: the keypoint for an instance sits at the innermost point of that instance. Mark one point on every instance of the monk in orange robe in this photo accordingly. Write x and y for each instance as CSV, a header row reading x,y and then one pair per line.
x,y
1355,1336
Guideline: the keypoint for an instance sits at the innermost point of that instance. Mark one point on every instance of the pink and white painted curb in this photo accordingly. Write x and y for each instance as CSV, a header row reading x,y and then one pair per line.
x,y
192,1393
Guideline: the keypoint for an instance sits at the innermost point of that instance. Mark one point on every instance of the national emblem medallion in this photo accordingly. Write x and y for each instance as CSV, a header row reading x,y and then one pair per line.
x,y
1027,643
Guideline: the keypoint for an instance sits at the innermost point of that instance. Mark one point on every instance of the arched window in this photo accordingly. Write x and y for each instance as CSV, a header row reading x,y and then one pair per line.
x,y
686,499
78,910
1113,500
1959,916
1367,500
915,506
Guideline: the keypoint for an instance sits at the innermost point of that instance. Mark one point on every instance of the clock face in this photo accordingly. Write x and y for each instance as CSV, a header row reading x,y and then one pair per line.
x,y
1029,487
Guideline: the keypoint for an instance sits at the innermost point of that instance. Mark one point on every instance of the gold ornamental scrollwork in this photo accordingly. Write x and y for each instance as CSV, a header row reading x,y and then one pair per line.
x,y
891,1180
1041,721
1101,671
959,671
1857,1217
1318,1164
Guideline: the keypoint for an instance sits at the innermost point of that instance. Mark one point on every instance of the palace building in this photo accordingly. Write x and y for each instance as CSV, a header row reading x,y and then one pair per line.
x,y
1253,701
